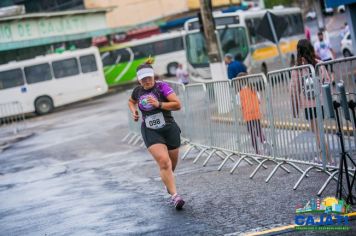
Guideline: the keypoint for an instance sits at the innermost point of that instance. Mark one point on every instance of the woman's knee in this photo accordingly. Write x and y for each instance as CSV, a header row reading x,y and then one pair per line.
x,y
165,164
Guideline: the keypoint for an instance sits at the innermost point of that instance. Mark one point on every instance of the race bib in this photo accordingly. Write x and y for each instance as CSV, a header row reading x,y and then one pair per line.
x,y
155,121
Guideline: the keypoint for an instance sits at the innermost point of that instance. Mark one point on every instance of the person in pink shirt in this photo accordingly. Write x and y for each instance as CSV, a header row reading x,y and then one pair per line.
x,y
307,33
302,90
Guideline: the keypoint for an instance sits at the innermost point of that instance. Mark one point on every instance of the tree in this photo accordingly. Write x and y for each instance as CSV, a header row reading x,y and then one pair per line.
x,y
272,3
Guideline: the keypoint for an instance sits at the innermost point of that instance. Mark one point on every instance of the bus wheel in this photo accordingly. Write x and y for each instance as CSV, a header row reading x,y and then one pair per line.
x,y
43,105
171,68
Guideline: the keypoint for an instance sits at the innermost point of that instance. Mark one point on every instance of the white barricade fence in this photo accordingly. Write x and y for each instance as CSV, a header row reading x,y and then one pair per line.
x,y
134,134
198,123
278,118
252,116
341,71
12,118
294,108
180,116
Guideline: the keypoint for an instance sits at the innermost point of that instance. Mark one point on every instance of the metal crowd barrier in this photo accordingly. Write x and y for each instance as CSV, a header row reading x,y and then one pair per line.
x,y
12,118
279,118
180,116
340,71
134,134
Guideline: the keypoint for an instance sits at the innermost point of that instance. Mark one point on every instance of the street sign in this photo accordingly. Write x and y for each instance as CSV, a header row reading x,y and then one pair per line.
x,y
265,28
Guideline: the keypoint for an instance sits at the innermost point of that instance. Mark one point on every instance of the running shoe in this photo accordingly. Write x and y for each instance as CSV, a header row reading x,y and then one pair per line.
x,y
177,201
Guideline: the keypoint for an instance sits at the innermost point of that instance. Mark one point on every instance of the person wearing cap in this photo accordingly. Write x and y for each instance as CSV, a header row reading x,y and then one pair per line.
x,y
161,134
234,67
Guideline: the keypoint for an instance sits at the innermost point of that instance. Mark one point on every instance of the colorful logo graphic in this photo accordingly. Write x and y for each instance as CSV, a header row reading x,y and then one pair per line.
x,y
326,214
143,102
327,205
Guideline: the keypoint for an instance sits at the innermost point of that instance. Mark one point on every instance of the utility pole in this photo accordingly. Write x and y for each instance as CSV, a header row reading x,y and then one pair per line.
x,y
319,14
217,68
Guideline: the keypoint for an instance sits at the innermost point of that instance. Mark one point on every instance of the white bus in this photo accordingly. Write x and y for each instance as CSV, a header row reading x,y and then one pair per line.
x,y
121,60
238,35
46,82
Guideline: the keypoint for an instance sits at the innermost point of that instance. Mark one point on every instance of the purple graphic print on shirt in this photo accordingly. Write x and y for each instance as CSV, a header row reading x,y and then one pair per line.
x,y
143,102
160,91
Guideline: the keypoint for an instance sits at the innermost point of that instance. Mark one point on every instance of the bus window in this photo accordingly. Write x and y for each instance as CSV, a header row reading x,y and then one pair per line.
x,y
197,53
115,57
65,68
38,73
252,26
168,45
233,41
108,58
298,24
88,63
142,51
11,78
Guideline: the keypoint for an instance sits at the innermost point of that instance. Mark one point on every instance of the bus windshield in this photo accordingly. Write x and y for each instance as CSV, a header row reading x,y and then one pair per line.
x,y
233,41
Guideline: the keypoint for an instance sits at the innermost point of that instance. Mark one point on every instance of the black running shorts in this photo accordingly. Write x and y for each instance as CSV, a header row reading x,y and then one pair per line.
x,y
168,135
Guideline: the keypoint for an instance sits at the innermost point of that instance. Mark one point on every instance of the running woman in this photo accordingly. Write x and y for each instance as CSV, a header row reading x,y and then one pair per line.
x,y
161,134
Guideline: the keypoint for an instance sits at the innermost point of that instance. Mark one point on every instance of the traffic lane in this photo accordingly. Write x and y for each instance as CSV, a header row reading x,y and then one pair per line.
x,y
76,177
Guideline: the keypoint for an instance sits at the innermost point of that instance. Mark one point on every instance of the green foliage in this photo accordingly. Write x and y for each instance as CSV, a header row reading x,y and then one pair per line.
x,y
272,3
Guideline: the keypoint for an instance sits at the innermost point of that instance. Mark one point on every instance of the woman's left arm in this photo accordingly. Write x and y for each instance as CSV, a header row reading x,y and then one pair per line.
x,y
173,103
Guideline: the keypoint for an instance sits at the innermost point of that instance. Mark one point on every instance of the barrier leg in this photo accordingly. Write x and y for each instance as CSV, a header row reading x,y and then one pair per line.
x,y
256,160
226,159
222,157
127,135
132,139
137,140
274,171
327,182
186,152
237,164
199,155
297,168
258,167
303,175
209,156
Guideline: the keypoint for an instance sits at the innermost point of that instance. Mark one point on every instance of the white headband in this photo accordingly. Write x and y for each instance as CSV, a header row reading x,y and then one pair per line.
x,y
145,72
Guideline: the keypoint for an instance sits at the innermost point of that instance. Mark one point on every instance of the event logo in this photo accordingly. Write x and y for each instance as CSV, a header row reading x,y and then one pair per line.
x,y
327,214
144,105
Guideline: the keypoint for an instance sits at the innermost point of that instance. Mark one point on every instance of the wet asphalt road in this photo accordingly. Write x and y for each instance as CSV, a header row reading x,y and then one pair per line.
x,y
76,177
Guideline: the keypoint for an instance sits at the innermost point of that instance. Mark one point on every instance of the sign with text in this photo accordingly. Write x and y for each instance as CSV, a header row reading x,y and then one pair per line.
x,y
44,27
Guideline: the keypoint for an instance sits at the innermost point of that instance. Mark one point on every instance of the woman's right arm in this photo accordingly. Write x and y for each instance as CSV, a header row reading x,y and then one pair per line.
x,y
133,109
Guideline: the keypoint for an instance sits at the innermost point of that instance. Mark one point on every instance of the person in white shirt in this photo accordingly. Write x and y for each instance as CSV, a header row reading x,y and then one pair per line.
x,y
324,51
344,30
182,75
323,48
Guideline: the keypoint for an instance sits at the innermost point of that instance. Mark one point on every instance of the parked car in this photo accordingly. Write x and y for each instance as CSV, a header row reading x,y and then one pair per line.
x,y
328,11
346,45
341,9
311,15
